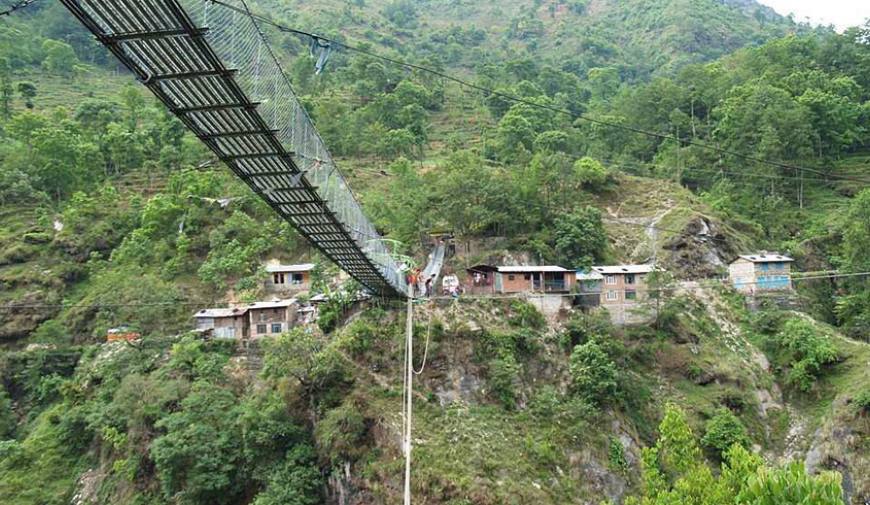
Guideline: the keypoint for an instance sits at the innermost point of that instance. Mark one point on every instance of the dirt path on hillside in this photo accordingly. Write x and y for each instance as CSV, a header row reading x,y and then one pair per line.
x,y
648,248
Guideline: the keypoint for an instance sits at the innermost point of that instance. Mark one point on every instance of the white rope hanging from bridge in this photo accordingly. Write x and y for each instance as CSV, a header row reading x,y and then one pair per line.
x,y
425,349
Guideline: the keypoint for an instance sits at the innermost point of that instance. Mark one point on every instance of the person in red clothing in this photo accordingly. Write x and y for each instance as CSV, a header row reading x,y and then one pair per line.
x,y
413,277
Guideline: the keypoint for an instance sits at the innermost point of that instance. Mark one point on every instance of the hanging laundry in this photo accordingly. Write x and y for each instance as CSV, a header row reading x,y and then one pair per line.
x,y
320,49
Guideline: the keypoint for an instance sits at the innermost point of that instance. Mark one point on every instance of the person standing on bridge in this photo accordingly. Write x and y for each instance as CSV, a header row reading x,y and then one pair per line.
x,y
429,282
413,278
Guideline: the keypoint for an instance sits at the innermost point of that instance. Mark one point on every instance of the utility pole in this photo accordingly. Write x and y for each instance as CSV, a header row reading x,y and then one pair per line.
x,y
409,377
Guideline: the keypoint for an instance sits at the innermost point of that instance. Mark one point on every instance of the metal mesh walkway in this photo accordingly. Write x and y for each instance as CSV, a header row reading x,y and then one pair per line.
x,y
213,68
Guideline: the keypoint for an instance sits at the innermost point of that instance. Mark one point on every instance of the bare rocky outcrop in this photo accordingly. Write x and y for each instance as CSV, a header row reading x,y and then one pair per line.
x,y
701,250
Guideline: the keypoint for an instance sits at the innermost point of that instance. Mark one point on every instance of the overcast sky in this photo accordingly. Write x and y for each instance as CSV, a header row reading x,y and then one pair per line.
x,y
840,13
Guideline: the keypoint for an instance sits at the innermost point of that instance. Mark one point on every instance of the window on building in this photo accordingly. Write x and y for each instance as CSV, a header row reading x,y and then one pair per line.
x,y
262,316
631,295
276,327
297,278
527,277
629,278
612,295
511,277
610,279
261,329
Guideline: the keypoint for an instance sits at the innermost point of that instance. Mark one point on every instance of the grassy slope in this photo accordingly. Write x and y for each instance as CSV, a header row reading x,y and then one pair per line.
x,y
30,273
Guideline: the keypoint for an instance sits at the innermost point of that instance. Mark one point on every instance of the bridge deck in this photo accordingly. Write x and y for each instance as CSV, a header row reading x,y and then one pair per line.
x,y
213,69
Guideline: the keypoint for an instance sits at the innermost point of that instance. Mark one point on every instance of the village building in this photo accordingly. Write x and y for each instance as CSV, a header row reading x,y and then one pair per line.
x,y
623,284
752,273
272,318
588,288
232,323
122,334
542,279
480,279
289,278
251,321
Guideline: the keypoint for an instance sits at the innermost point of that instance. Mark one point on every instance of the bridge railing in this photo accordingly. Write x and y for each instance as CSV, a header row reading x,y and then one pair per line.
x,y
240,43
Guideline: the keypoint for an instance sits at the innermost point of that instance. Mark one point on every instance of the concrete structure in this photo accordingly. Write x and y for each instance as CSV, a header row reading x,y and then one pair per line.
x,y
224,323
289,278
272,318
588,288
543,279
252,321
623,284
753,273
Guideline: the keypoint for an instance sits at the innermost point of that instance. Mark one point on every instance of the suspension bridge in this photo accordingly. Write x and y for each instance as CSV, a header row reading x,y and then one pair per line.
x,y
212,67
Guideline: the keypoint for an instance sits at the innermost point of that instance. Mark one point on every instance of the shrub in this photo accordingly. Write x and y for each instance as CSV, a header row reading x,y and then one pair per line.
x,y
723,430
570,413
616,456
515,344
805,351
861,403
673,473
585,327
200,454
341,434
545,403
792,484
7,415
320,370
333,310
677,447
360,335
526,315
296,482
503,375
591,173
593,373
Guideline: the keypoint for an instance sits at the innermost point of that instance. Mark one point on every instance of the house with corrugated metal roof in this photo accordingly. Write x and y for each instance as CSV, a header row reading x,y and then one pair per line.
x,y
588,287
529,278
224,323
763,272
623,284
273,317
289,278
252,320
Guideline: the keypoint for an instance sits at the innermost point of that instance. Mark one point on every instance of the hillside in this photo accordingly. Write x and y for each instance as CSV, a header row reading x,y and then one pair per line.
x,y
640,38
112,214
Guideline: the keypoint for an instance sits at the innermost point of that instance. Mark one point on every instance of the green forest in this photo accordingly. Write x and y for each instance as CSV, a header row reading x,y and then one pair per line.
x,y
592,132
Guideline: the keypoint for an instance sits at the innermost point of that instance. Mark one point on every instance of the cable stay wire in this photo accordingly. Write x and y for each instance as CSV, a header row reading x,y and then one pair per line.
x,y
531,103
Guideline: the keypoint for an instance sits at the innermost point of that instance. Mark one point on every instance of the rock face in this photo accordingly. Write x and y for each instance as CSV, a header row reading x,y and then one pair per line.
x,y
838,445
340,488
702,250
87,488
602,481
